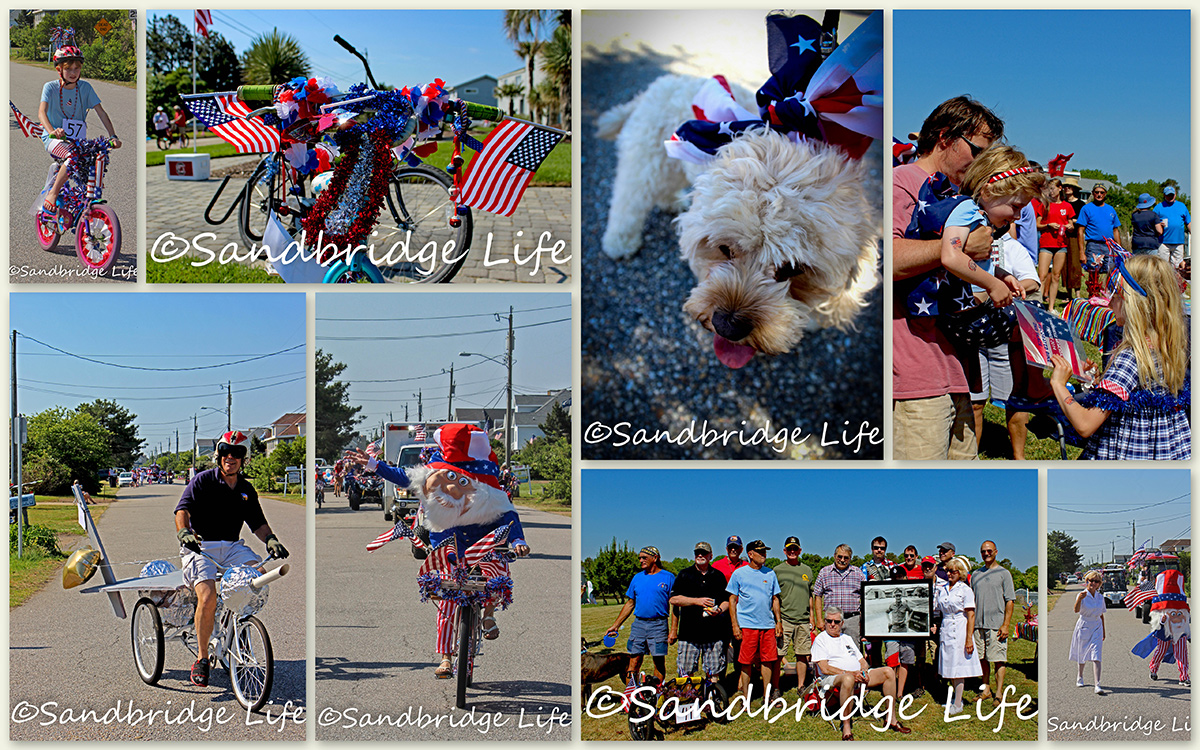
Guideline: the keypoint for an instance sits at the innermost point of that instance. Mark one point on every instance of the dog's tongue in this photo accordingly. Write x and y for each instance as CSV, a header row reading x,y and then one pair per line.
x,y
731,354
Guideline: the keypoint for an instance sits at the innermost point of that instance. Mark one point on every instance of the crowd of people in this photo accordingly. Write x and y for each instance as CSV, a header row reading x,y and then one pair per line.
x,y
736,609
976,225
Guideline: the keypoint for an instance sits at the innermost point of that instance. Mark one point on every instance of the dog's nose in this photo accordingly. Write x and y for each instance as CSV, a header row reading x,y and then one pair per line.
x,y
731,325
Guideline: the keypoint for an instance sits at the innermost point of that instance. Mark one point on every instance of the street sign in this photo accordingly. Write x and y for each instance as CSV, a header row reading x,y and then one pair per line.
x,y
102,27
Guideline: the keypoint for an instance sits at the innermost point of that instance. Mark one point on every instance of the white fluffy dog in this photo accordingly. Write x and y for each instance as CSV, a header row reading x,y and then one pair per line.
x,y
778,234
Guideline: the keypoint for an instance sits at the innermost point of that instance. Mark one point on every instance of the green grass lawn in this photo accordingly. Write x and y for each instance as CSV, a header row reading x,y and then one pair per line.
x,y
295,498
181,271
27,575
538,501
215,149
1021,672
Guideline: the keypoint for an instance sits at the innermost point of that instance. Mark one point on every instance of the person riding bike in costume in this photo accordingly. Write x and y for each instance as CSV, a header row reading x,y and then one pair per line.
x,y
460,494
64,107
208,520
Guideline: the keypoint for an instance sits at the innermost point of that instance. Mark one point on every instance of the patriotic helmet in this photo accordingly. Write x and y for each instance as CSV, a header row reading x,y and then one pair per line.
x,y
232,443
66,53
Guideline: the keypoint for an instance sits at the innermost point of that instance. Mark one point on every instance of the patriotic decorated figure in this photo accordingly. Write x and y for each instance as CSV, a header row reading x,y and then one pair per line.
x,y
468,515
1170,627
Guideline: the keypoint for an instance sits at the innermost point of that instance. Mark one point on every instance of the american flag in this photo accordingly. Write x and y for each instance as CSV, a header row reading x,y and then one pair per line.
x,y
501,172
28,127
203,21
627,695
373,450
420,436
1137,557
480,549
400,531
227,117
1138,595
439,557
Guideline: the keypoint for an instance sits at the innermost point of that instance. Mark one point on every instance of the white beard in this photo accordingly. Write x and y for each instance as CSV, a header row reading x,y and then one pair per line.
x,y
1174,631
481,504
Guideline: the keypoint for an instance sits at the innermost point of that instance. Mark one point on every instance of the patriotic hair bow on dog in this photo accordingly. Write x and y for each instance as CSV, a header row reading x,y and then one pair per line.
x,y
837,99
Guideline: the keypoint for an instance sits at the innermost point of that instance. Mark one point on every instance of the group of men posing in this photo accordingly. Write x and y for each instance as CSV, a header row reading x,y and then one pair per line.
x,y
738,602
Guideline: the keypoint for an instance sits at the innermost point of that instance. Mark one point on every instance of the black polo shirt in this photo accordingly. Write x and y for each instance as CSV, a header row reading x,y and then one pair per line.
x,y
694,627
218,510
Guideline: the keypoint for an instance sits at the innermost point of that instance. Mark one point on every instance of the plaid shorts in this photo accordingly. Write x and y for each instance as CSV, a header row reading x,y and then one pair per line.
x,y
711,656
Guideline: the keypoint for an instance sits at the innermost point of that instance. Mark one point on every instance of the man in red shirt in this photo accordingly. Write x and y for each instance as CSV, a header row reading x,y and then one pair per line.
x,y
931,407
912,564
733,557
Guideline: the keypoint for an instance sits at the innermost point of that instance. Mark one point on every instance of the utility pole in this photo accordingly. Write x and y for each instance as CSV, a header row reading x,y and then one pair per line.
x,y
450,402
420,407
229,406
176,440
194,433
508,412
16,451
405,411
1133,538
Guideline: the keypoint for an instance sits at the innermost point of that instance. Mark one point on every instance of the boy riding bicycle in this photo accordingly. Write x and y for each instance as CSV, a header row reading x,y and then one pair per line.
x,y
63,114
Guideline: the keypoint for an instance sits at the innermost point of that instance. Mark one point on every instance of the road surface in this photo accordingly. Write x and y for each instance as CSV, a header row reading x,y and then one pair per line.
x,y
375,639
1135,707
67,647
28,163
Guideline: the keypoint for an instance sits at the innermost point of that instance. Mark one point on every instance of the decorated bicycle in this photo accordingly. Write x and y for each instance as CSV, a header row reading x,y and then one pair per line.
x,y
73,197
358,152
474,533
165,609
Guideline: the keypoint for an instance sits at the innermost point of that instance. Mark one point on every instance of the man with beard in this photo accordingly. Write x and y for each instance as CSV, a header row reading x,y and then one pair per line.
x,y
461,498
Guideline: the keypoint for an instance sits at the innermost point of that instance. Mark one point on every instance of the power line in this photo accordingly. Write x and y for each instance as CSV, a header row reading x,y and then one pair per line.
x,y
1124,510
439,335
160,369
157,398
163,387
440,317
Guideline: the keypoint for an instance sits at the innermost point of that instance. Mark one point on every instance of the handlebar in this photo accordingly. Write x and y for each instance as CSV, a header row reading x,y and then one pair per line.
x,y
260,94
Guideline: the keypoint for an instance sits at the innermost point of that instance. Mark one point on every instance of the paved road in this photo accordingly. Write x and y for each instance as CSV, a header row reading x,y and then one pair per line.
x,y
28,162
67,647
178,207
1132,696
375,639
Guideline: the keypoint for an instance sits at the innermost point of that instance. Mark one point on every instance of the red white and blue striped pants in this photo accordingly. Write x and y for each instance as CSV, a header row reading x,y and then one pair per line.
x,y
1181,656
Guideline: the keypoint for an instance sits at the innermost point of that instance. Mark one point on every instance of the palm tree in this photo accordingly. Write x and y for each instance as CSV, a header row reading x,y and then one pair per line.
x,y
556,62
509,91
274,57
529,50
547,92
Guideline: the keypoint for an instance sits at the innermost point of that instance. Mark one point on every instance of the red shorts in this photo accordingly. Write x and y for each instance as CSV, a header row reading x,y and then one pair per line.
x,y
758,645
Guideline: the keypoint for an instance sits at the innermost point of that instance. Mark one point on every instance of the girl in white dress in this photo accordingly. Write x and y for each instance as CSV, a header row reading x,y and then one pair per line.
x,y
957,659
1088,639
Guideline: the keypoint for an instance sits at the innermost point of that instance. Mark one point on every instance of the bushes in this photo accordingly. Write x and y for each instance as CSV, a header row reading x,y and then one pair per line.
x,y
550,459
36,535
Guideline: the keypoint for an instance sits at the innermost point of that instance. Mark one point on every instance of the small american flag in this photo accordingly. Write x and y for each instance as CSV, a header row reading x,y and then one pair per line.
x,y
627,695
203,21
373,450
28,127
439,557
481,549
420,436
227,117
1138,595
501,172
400,531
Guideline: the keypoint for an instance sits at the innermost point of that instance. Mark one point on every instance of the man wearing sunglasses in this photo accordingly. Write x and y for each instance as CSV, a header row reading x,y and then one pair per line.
x,y
1098,222
208,523
840,663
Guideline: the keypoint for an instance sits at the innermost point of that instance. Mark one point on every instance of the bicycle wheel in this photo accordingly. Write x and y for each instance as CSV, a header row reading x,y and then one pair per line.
x,y
98,237
258,201
251,664
641,721
720,701
146,634
422,209
468,619
163,143
360,273
183,139
47,233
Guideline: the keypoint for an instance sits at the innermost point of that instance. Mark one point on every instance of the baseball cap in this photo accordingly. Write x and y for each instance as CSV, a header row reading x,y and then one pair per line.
x,y
650,550
1168,190
928,560
703,546
733,541
946,545
757,546
1145,200
791,542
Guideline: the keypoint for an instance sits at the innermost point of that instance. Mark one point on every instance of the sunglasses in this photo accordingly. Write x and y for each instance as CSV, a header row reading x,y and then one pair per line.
x,y
833,622
975,150
237,451
842,557
882,548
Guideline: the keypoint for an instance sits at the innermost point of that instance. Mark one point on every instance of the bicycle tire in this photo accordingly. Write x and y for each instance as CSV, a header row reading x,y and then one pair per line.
x,y
466,655
98,237
720,701
641,722
251,664
163,143
146,636
422,205
257,198
47,235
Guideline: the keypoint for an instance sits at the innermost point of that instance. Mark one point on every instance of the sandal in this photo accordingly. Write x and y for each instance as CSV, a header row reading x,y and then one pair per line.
x,y
49,207
444,671
490,632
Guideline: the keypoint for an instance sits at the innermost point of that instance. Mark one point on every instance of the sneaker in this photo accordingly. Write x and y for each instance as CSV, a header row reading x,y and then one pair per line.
x,y
1154,675
1079,682
200,673
1185,683
1101,691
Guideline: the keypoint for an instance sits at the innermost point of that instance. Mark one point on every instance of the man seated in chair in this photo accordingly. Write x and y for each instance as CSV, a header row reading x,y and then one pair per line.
x,y
840,664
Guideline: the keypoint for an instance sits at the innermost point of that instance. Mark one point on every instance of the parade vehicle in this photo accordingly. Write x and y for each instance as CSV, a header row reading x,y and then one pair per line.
x,y
1154,562
364,488
165,610
125,479
1114,585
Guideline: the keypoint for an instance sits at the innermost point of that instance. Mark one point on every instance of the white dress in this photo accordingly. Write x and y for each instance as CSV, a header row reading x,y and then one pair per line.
x,y
1088,638
953,661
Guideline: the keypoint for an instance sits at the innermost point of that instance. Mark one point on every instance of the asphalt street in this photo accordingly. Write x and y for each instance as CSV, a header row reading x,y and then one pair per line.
x,y
375,640
69,654
1135,707
28,164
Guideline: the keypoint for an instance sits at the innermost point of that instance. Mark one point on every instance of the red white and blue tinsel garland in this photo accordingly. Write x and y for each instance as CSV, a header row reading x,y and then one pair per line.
x,y
346,210
499,589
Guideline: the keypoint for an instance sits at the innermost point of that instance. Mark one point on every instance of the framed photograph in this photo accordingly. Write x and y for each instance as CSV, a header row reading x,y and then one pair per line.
x,y
897,609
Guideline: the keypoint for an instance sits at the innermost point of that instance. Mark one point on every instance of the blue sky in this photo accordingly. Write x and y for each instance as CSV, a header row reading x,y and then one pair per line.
x,y
409,339
673,509
172,330
1095,506
1123,106
404,47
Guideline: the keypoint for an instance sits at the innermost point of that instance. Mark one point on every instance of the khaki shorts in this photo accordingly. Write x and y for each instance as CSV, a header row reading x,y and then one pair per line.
x,y
989,647
933,429
797,635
